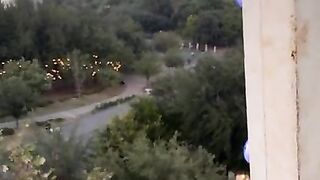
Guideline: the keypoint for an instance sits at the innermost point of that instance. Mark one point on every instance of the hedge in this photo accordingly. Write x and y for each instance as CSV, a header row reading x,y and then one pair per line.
x,y
109,104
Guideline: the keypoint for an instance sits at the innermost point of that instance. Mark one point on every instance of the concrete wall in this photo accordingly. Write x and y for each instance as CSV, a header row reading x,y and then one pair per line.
x,y
308,59
283,96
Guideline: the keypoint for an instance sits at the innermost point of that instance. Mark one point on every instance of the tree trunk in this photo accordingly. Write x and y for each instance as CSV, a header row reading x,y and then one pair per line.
x,y
148,81
17,123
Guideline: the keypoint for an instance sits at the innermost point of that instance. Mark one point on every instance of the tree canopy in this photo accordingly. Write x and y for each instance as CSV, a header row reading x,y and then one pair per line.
x,y
207,106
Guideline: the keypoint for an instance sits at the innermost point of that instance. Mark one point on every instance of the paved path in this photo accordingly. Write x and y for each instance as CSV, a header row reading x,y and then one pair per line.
x,y
134,86
86,126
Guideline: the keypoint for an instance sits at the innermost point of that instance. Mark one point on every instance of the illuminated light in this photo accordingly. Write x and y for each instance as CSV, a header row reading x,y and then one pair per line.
x,y
59,77
20,66
46,65
91,67
93,74
53,60
100,62
4,72
98,70
55,63
3,63
61,62
54,78
68,59
96,62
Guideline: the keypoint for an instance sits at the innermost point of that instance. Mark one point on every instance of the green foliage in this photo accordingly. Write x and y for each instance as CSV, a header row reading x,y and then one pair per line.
x,y
164,41
128,154
30,72
66,157
148,118
103,106
173,59
108,77
20,86
16,97
148,66
80,74
207,106
218,26
24,163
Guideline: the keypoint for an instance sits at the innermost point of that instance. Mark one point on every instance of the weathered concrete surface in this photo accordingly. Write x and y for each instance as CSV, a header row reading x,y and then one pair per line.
x,y
283,95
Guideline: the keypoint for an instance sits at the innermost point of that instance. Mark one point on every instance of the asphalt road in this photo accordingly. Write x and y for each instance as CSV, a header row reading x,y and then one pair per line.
x,y
86,126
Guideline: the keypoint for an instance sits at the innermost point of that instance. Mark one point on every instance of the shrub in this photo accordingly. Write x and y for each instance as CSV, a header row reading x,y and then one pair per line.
x,y
7,131
109,104
44,103
173,59
164,41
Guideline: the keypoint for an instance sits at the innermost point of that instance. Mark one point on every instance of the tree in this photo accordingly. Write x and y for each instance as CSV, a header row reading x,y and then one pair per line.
x,y
21,84
173,59
16,97
66,156
164,41
108,77
207,106
80,74
218,26
30,72
126,151
148,66
24,163
148,118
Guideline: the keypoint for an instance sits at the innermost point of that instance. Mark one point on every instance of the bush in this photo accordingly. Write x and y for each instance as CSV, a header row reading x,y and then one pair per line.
x,y
48,124
45,124
173,59
164,41
108,78
106,105
7,131
56,120
44,103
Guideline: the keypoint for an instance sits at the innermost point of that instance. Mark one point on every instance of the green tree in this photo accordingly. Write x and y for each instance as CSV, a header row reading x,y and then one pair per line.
x,y
164,41
30,72
148,118
136,157
16,97
148,66
66,156
21,84
108,77
24,163
80,74
173,59
208,106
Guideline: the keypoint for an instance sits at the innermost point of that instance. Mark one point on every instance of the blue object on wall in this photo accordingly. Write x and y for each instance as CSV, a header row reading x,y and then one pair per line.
x,y
246,152
239,3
